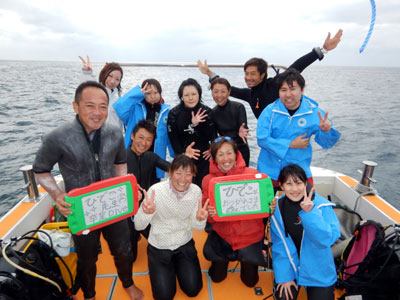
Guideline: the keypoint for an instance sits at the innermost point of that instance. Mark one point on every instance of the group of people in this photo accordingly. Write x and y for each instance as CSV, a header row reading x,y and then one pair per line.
x,y
114,134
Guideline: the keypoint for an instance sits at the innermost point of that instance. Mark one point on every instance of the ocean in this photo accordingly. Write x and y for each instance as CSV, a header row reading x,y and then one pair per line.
x,y
363,103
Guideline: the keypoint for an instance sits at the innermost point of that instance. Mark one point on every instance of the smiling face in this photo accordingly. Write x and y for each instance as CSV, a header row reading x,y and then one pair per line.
x,y
220,94
153,96
293,188
190,96
181,178
290,95
141,141
226,157
92,108
113,79
252,76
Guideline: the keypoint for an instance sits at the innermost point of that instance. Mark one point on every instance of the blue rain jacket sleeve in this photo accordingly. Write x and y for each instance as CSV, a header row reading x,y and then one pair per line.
x,y
277,146
327,139
126,108
321,225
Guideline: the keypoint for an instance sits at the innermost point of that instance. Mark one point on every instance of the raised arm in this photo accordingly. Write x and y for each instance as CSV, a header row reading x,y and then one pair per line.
x,y
318,52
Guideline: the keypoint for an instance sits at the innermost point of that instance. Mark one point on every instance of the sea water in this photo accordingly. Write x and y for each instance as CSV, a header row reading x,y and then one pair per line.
x,y
363,103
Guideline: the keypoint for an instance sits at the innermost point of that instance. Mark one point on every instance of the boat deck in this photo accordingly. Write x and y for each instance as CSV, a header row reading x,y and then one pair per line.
x,y
109,287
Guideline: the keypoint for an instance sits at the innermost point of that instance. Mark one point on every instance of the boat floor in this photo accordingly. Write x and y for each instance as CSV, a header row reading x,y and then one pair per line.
x,y
109,287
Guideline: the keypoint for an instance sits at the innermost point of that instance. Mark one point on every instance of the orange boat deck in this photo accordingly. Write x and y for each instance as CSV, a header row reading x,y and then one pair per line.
x,y
109,287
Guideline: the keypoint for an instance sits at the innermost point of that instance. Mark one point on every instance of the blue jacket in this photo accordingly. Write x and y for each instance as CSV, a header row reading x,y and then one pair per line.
x,y
131,110
276,129
316,266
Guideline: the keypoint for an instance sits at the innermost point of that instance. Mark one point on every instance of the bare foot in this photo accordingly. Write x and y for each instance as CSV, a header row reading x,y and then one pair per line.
x,y
134,292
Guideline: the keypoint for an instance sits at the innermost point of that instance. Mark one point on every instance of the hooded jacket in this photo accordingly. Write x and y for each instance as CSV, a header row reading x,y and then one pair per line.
x,y
238,234
276,129
315,266
131,109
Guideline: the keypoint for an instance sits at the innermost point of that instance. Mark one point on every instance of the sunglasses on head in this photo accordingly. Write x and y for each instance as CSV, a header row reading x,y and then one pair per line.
x,y
220,138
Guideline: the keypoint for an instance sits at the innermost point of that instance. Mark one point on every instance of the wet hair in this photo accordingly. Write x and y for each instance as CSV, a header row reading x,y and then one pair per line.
x,y
181,160
107,69
87,84
147,125
217,144
289,76
189,82
294,171
260,63
152,81
220,80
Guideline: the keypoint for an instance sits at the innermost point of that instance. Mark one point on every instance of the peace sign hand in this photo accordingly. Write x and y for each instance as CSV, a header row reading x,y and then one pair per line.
x,y
148,205
146,89
324,124
307,204
86,64
199,117
202,212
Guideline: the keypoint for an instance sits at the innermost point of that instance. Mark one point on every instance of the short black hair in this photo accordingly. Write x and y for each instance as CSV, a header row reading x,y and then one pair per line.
x,y
294,171
260,63
86,84
220,80
181,160
289,76
145,124
189,82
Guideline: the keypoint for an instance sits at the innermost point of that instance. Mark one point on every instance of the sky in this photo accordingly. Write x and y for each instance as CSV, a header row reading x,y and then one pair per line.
x,y
184,31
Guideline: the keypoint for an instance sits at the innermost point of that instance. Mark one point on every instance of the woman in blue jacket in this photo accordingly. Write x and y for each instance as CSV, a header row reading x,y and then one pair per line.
x,y
146,102
303,229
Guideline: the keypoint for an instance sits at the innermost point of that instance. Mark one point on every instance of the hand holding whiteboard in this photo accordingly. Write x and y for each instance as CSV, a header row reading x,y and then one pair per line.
x,y
102,203
241,197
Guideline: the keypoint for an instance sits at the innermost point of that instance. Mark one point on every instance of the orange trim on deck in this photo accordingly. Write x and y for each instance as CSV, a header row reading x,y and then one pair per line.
x,y
14,217
382,205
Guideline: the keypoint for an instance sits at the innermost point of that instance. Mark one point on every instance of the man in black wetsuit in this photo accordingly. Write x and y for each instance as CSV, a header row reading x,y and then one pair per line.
x,y
88,150
261,90
142,163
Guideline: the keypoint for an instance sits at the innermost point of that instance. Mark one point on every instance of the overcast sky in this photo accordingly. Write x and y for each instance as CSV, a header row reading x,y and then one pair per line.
x,y
184,31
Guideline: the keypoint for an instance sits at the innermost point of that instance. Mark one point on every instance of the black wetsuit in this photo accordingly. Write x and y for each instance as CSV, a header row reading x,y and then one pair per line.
x,y
84,159
267,92
182,133
228,119
143,168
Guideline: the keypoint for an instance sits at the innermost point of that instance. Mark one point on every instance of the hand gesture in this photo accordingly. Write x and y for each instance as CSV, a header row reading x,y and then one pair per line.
x,y
244,133
199,117
86,64
203,67
202,212
191,152
274,202
324,124
211,211
331,44
207,154
146,89
301,142
63,207
286,289
148,205
307,204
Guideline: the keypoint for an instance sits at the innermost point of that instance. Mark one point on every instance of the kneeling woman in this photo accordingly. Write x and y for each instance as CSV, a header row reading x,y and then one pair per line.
x,y
173,207
302,232
232,240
